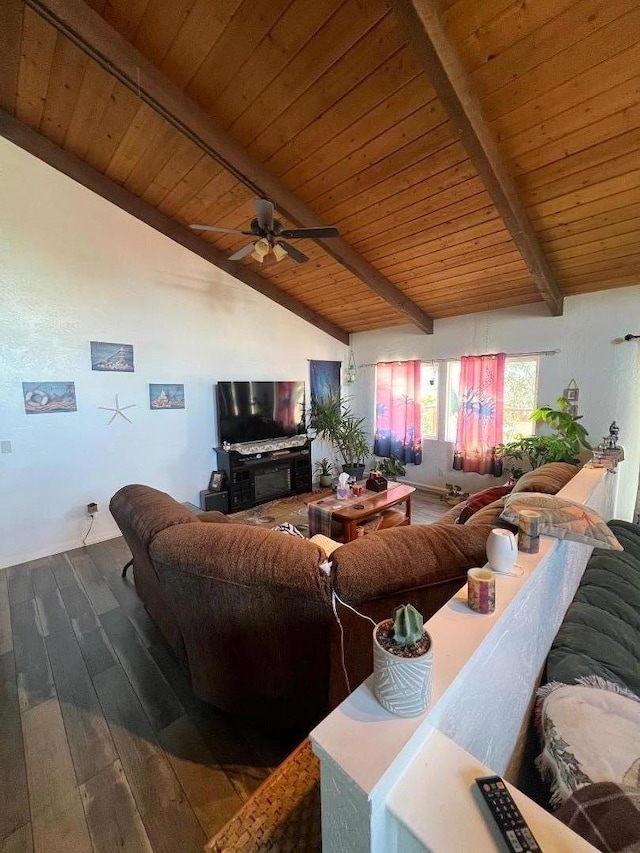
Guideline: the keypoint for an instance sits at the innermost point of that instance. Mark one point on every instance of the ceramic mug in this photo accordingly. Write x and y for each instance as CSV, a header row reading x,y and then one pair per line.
x,y
529,535
481,591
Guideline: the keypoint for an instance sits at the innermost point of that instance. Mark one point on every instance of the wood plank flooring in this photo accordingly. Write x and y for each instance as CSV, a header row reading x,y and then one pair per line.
x,y
103,746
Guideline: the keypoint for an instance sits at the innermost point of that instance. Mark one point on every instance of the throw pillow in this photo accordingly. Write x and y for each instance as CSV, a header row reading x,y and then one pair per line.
x,y
562,519
482,499
549,478
490,514
590,732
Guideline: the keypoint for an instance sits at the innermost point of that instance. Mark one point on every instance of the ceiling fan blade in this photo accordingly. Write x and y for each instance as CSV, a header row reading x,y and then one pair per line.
x,y
219,230
264,213
241,253
310,232
294,253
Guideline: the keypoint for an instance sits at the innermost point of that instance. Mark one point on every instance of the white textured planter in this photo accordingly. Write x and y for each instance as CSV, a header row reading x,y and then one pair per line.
x,y
401,685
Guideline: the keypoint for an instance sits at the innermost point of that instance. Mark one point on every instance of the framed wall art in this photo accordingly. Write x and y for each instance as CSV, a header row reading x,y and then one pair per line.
x,y
41,398
166,396
113,358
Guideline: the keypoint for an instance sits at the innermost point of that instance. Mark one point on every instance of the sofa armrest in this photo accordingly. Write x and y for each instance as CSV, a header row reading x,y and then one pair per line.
x,y
392,561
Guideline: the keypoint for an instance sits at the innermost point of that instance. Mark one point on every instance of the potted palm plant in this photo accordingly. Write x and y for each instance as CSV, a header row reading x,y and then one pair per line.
x,y
324,468
402,663
334,421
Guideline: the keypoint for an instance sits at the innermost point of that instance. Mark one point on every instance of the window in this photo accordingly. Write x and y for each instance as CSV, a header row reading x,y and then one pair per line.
x,y
429,399
520,394
453,383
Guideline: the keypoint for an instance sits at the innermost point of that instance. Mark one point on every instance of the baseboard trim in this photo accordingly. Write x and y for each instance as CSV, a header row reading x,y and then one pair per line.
x,y
59,549
425,487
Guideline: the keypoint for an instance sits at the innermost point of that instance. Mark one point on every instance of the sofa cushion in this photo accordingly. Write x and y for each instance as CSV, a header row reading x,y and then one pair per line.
x,y
549,478
491,515
606,815
601,630
482,499
386,561
590,733
242,555
562,519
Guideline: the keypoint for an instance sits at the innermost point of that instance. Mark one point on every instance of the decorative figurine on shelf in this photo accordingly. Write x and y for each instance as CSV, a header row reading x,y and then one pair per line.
x,y
608,453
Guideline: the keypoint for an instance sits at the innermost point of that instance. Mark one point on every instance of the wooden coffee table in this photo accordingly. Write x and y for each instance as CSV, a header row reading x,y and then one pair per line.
x,y
373,503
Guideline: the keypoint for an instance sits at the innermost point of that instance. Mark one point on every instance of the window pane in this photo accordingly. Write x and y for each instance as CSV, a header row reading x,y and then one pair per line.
x,y
453,385
520,393
429,399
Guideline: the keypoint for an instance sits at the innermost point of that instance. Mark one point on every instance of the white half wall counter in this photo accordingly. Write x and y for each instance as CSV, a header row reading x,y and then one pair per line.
x,y
485,672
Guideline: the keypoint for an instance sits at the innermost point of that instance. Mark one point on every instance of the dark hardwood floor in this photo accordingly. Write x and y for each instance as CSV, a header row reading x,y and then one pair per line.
x,y
103,746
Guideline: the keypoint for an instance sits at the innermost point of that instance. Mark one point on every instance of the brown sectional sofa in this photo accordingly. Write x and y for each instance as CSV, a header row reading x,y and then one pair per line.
x,y
248,611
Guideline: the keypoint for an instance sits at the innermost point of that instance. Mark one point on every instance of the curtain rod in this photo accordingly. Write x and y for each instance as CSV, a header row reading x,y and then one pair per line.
x,y
446,360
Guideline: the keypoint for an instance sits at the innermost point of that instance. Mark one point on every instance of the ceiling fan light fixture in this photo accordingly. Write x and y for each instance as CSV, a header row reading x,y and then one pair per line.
x,y
261,247
280,252
260,250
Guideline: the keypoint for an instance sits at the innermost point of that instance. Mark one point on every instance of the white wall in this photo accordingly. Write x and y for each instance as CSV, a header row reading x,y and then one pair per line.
x,y
74,268
588,335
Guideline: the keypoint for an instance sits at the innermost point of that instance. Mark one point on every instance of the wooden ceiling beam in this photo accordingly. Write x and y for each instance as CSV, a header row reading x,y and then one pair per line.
x,y
86,28
10,39
423,29
42,148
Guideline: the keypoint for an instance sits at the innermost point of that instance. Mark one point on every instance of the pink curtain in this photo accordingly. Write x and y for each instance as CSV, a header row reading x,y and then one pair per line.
x,y
398,422
480,412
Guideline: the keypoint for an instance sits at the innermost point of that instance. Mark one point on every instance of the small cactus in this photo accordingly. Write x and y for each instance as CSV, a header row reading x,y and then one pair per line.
x,y
408,625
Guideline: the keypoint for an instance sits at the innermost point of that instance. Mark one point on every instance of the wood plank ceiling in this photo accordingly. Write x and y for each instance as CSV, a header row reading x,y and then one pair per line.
x,y
329,97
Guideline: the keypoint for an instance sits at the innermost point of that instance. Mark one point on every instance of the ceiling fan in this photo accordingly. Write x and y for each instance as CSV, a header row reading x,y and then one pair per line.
x,y
270,234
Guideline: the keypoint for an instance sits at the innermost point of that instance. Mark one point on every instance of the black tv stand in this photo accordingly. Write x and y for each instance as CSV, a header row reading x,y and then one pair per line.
x,y
255,478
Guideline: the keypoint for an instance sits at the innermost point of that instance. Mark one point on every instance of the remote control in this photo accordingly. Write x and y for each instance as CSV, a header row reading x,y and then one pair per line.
x,y
515,832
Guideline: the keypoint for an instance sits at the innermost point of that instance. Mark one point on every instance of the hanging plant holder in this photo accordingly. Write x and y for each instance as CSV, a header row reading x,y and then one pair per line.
x,y
351,368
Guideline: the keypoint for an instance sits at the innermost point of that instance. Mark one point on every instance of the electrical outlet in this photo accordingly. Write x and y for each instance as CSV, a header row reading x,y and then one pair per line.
x,y
5,447
92,508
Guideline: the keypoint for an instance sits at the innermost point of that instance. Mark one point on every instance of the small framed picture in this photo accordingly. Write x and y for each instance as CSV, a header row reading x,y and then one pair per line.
x,y
572,410
571,394
216,480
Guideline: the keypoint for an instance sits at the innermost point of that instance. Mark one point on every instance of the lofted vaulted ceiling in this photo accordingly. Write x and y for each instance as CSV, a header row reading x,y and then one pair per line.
x,y
328,110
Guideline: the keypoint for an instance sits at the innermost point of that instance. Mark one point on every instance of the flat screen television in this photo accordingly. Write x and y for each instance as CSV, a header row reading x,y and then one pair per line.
x,y
253,411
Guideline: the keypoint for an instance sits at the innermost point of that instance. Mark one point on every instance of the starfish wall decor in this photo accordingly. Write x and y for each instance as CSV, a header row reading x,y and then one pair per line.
x,y
118,410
